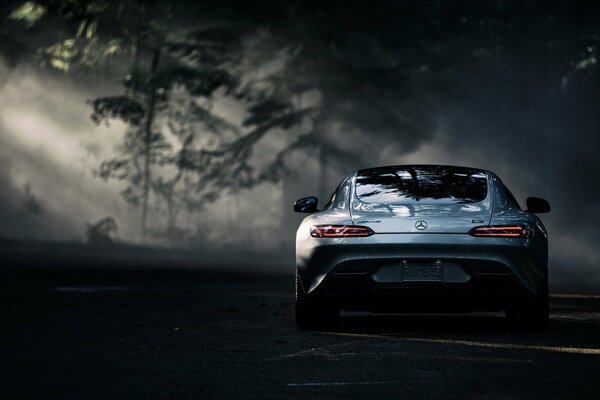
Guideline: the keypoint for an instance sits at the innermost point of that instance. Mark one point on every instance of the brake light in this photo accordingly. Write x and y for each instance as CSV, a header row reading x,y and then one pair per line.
x,y
334,231
511,231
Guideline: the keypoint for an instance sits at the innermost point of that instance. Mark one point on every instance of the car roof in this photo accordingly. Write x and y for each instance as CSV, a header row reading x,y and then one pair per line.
x,y
422,166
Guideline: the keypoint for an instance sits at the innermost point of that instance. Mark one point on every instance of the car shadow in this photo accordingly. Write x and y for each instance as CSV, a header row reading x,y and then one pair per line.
x,y
382,324
573,326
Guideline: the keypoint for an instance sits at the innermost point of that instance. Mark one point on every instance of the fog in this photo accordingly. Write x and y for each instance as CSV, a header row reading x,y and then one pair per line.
x,y
527,117
50,145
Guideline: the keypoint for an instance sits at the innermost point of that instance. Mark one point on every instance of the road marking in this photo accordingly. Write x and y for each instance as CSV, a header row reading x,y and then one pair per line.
x,y
263,294
322,351
510,346
90,289
342,383
578,316
325,351
575,296
439,357
555,349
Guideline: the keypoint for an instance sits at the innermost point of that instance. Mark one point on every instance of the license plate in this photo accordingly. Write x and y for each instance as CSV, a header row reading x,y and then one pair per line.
x,y
422,272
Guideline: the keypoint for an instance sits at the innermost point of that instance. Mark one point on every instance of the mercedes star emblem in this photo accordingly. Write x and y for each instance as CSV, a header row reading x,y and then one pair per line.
x,y
420,225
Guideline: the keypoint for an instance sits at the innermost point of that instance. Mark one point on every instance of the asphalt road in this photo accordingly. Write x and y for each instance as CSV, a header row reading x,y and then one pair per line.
x,y
228,335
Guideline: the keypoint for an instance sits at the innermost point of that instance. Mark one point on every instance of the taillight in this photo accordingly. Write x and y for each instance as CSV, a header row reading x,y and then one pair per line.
x,y
510,231
334,231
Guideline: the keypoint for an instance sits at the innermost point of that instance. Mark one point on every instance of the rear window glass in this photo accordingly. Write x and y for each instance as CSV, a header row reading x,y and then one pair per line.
x,y
421,185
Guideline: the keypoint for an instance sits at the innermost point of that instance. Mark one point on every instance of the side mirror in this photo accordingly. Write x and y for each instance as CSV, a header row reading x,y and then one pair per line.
x,y
306,205
537,206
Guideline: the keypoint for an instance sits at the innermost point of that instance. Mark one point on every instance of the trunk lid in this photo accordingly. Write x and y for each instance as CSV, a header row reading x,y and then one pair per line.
x,y
427,218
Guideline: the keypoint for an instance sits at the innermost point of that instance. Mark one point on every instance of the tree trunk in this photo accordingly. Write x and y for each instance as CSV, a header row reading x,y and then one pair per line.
x,y
148,139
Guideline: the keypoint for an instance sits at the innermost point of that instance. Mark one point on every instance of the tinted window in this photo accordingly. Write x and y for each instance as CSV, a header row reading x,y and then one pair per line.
x,y
421,184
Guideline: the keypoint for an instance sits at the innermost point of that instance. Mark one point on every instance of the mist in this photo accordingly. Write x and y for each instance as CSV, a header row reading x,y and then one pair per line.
x,y
526,113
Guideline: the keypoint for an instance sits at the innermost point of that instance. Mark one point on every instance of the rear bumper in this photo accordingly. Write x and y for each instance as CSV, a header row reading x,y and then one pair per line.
x,y
365,273
360,292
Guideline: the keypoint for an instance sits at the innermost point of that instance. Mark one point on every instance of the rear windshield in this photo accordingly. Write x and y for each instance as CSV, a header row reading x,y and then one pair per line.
x,y
422,185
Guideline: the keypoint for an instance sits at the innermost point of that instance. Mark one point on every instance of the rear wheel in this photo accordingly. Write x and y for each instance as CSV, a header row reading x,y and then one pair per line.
x,y
311,315
533,313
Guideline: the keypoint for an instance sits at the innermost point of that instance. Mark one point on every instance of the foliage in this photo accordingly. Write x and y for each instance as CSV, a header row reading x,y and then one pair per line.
x,y
100,232
313,71
92,32
29,13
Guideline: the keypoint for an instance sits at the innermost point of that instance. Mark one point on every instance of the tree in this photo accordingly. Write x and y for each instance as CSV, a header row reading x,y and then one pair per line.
x,y
100,30
355,68
92,33
156,163
319,73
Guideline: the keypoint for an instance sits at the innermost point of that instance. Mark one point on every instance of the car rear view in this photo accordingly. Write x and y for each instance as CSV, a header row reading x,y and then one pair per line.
x,y
422,238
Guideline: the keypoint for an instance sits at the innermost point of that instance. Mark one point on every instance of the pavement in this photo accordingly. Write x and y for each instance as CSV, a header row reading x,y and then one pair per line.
x,y
214,334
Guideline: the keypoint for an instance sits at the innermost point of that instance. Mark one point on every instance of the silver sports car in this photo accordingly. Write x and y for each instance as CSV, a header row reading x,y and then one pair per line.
x,y
421,238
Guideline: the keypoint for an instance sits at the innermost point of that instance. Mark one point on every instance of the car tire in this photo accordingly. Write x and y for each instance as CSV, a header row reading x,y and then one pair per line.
x,y
532,313
311,315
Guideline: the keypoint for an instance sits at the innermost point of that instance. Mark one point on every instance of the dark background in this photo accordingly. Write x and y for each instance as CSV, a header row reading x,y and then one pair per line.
x,y
150,153
264,102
